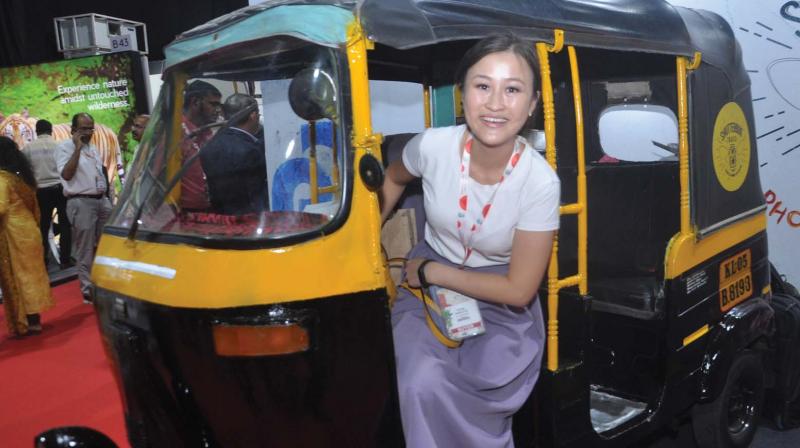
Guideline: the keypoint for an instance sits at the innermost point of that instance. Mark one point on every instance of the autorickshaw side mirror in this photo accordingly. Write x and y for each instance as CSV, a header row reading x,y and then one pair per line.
x,y
371,171
312,95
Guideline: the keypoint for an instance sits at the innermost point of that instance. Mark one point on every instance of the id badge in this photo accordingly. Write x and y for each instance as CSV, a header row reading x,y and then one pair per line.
x,y
460,314
99,180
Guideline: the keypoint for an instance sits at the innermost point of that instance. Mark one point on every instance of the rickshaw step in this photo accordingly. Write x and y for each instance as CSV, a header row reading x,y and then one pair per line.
x,y
610,411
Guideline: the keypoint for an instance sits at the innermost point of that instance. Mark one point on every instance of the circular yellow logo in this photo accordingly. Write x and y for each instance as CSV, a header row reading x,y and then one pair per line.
x,y
731,147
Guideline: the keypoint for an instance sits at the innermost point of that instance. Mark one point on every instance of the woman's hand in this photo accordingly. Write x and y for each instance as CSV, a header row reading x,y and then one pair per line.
x,y
412,271
530,252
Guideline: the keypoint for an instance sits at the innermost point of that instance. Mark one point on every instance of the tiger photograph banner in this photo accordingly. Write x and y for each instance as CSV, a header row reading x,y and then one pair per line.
x,y
109,87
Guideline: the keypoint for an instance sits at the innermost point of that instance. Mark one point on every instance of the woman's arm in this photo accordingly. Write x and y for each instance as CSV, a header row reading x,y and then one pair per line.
x,y
397,177
530,252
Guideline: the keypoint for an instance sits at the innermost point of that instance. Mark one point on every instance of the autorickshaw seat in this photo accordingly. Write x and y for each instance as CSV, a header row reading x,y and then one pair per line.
x,y
632,210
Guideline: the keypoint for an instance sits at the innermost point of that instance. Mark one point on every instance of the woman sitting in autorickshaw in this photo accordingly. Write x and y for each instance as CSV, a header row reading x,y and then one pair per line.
x,y
491,203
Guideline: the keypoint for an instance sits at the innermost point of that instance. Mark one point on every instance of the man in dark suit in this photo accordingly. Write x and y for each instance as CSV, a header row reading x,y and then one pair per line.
x,y
234,161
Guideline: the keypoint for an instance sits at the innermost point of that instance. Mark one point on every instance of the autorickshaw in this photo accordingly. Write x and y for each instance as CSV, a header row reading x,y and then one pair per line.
x,y
272,327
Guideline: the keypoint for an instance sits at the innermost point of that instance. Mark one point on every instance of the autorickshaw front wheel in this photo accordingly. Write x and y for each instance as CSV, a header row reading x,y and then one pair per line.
x,y
730,421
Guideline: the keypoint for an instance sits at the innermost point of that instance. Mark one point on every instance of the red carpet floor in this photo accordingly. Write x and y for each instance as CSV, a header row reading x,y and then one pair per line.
x,y
59,377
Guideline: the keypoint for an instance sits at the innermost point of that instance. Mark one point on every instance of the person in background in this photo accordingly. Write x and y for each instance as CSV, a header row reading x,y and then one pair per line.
x,y
23,277
234,161
137,130
85,184
139,123
492,208
41,154
201,106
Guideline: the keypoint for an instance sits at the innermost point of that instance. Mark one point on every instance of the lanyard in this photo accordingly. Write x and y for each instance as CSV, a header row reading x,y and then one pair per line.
x,y
463,197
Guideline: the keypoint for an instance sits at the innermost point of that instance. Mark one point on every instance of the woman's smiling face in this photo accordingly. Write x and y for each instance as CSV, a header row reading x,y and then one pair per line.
x,y
499,96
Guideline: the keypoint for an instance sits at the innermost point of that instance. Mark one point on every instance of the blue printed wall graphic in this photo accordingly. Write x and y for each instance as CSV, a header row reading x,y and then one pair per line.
x,y
293,174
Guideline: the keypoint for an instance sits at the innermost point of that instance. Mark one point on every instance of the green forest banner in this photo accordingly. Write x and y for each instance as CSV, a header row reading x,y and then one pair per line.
x,y
105,86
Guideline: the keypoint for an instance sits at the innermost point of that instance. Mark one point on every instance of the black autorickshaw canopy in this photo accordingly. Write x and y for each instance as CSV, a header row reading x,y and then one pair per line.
x,y
631,25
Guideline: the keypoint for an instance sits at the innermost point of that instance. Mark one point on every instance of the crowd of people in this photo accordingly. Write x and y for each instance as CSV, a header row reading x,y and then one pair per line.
x,y
36,180
229,175
70,179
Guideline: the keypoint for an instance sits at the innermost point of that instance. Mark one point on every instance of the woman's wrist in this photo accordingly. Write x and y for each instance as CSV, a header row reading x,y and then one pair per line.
x,y
423,279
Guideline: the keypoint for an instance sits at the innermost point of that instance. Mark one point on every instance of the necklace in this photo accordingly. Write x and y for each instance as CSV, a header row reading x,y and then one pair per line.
x,y
465,234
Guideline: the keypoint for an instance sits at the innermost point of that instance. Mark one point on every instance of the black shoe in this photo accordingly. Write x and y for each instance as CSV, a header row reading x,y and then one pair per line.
x,y
87,299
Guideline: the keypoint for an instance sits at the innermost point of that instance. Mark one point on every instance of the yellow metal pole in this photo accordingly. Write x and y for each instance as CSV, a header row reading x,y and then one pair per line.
x,y
547,104
357,46
312,161
552,308
365,142
583,217
335,161
426,101
175,159
458,104
542,51
683,139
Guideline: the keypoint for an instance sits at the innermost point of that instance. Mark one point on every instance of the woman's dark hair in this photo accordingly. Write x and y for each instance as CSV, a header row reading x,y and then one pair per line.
x,y
12,160
498,43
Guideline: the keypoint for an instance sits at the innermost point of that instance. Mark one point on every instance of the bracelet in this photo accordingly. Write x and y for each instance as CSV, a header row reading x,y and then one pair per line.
x,y
423,282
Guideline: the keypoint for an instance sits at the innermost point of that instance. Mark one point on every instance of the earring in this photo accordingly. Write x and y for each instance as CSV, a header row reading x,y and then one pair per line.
x,y
530,114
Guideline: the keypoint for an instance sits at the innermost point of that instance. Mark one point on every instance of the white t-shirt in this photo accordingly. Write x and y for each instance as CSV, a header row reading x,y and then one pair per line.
x,y
41,155
528,199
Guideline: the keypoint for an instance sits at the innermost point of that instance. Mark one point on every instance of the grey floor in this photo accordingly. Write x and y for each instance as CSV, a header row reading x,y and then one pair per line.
x,y
766,437
770,438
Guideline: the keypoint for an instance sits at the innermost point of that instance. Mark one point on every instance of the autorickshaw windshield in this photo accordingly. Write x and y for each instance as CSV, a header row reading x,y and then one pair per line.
x,y
243,144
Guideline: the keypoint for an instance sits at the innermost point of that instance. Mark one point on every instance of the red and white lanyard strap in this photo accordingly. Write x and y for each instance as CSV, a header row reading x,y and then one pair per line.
x,y
463,197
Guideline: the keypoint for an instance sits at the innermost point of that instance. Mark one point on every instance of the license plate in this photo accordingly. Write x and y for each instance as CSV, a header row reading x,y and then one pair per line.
x,y
735,280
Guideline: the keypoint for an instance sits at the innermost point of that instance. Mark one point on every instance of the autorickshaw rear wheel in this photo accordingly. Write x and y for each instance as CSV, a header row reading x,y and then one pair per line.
x,y
730,421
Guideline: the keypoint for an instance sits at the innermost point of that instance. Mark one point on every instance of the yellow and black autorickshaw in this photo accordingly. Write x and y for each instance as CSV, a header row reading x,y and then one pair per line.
x,y
272,327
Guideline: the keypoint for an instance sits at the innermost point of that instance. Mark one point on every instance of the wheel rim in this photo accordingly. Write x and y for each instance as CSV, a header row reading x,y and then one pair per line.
x,y
743,406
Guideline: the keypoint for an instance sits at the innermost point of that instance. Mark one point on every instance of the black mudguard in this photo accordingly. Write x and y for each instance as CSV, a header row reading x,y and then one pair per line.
x,y
738,329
